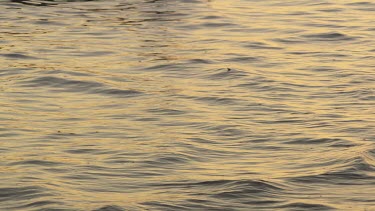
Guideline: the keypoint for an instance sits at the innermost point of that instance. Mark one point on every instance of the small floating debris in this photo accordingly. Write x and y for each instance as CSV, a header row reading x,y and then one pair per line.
x,y
65,133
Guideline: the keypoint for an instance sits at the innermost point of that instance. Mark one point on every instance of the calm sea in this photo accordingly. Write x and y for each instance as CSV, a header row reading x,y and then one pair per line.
x,y
187,105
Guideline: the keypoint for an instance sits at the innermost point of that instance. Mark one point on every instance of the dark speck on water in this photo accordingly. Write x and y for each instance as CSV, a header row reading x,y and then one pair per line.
x,y
187,105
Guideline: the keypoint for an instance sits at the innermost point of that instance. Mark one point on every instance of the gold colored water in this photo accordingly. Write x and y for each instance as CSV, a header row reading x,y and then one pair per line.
x,y
130,105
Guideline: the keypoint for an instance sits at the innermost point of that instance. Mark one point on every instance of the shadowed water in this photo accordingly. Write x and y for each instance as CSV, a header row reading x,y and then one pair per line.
x,y
187,105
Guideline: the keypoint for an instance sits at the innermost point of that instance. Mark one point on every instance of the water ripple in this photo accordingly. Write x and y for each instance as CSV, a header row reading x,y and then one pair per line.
x,y
187,105
69,85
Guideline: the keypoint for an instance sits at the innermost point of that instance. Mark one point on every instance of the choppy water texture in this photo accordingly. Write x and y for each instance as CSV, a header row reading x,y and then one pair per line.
x,y
187,105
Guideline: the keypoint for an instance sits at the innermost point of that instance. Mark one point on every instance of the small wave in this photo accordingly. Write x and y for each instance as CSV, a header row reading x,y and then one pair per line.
x,y
88,151
33,3
333,10
337,178
41,3
241,59
225,74
199,61
245,193
220,24
210,17
40,205
218,100
366,3
288,40
110,208
17,192
246,188
363,5
261,45
306,206
91,53
17,56
165,206
264,84
226,186
51,81
166,111
165,67
35,162
171,159
118,92
69,85
332,36
22,193
331,142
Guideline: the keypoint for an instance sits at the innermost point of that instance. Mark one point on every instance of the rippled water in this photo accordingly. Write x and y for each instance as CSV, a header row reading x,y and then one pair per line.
x,y
187,105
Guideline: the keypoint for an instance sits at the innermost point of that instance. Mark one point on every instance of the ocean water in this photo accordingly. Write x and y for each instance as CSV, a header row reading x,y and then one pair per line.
x,y
187,105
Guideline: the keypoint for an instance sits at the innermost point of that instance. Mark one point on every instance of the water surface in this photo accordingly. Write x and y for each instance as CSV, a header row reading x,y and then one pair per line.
x,y
187,105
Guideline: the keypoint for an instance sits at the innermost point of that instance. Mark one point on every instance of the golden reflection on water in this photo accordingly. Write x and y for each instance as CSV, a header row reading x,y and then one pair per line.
x,y
102,106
